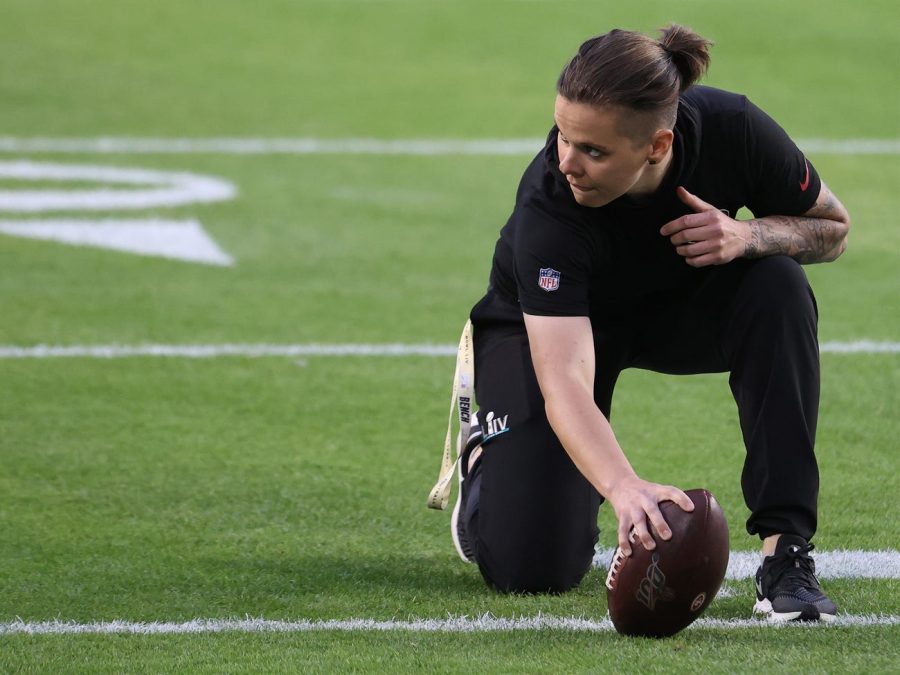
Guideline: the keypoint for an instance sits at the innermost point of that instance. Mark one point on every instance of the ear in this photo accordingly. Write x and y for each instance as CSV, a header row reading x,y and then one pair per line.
x,y
660,144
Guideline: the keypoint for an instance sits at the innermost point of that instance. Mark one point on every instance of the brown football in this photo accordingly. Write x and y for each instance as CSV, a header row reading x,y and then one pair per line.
x,y
658,593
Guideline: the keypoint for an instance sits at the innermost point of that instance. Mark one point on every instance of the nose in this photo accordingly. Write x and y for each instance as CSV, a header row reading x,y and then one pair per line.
x,y
568,164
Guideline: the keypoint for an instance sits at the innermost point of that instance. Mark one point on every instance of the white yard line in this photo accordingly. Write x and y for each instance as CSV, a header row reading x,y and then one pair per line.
x,y
861,347
211,351
829,564
462,624
116,351
428,147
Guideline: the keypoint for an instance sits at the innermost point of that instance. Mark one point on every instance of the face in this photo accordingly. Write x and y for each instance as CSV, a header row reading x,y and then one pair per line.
x,y
599,162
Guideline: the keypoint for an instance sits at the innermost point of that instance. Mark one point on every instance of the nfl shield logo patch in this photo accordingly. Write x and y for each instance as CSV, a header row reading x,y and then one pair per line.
x,y
548,279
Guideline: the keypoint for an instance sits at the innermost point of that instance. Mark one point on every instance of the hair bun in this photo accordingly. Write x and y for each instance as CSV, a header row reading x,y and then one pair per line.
x,y
688,50
632,70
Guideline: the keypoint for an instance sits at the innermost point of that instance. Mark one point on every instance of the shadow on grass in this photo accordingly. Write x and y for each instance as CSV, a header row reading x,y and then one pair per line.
x,y
411,574
328,580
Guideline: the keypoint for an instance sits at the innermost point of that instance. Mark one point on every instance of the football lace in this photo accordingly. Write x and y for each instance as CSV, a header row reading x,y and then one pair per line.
x,y
614,568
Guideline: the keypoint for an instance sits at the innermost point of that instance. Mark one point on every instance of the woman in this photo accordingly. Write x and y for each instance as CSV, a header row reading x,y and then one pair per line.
x,y
623,251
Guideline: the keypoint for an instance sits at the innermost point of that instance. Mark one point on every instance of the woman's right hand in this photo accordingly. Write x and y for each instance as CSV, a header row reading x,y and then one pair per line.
x,y
635,501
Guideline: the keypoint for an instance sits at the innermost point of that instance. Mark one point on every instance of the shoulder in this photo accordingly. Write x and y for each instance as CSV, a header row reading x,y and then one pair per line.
x,y
545,207
547,222
721,112
720,121
712,102
543,226
542,183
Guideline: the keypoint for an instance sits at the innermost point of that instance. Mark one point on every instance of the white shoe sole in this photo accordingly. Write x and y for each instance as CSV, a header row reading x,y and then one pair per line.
x,y
764,607
454,519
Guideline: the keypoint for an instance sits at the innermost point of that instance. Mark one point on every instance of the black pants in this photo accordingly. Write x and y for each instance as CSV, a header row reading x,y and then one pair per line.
x,y
530,514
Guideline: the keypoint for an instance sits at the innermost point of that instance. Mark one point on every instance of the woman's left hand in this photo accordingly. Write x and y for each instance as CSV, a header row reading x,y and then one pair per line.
x,y
707,237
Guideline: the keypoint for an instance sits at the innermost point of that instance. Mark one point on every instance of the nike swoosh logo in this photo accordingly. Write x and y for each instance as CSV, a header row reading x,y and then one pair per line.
x,y
805,182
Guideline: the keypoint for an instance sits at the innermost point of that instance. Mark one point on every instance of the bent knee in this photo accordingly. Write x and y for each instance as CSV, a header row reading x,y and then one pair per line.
x,y
777,275
532,568
778,284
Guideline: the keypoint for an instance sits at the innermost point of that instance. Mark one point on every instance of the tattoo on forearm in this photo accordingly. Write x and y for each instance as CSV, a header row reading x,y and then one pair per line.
x,y
827,206
819,235
807,240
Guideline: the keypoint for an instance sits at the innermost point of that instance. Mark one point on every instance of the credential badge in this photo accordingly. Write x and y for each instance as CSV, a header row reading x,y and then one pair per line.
x,y
548,279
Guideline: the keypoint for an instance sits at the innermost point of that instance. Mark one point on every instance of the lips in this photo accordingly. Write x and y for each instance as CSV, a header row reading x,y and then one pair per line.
x,y
580,188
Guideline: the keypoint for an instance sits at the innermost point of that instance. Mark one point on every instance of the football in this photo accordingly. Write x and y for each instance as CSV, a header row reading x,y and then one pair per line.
x,y
658,593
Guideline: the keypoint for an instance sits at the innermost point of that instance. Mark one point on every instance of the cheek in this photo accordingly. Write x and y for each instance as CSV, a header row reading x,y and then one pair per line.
x,y
610,175
623,173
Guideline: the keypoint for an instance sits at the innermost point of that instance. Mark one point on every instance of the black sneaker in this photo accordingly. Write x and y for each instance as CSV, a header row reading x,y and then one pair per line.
x,y
457,526
786,585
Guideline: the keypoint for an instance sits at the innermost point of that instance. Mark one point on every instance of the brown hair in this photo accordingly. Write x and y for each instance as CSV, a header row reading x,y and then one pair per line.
x,y
633,71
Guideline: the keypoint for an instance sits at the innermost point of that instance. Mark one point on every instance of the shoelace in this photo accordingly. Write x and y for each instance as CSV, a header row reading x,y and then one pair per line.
x,y
795,564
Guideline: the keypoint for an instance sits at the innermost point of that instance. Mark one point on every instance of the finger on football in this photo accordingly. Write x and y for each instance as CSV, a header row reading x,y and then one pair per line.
x,y
624,545
660,526
643,534
682,500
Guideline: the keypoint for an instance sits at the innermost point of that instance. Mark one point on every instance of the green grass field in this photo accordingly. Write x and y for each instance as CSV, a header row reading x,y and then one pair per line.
x,y
163,490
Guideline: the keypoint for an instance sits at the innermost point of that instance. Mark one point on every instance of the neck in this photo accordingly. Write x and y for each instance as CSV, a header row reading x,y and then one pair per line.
x,y
652,178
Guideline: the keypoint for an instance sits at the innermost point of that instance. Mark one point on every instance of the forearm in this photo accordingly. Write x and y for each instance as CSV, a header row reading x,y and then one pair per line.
x,y
588,438
819,235
805,239
562,351
709,237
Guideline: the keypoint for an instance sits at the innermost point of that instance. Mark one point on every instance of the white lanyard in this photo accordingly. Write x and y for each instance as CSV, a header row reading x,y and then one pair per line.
x,y
462,399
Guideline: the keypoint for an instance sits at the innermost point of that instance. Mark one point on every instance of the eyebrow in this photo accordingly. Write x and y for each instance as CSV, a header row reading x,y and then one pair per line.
x,y
582,145
585,147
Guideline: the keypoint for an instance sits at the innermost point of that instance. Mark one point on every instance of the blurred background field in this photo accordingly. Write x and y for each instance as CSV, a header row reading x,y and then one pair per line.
x,y
151,489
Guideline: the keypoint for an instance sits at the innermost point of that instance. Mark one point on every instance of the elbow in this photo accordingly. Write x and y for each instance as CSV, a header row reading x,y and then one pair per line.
x,y
560,403
842,235
558,406
553,409
841,248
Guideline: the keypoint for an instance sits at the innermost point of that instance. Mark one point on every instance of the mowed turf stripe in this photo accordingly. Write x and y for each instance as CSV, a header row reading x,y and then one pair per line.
x,y
829,564
364,146
462,624
317,349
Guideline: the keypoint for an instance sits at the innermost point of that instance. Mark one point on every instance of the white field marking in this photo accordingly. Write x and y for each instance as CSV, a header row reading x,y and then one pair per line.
x,y
176,239
115,351
860,347
461,624
727,590
157,188
829,564
363,146
180,240
212,351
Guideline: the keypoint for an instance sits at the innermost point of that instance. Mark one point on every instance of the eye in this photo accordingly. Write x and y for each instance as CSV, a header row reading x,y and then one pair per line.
x,y
594,153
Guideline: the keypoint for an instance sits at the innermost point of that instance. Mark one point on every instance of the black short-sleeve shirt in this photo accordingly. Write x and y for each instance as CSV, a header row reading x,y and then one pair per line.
x,y
555,257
